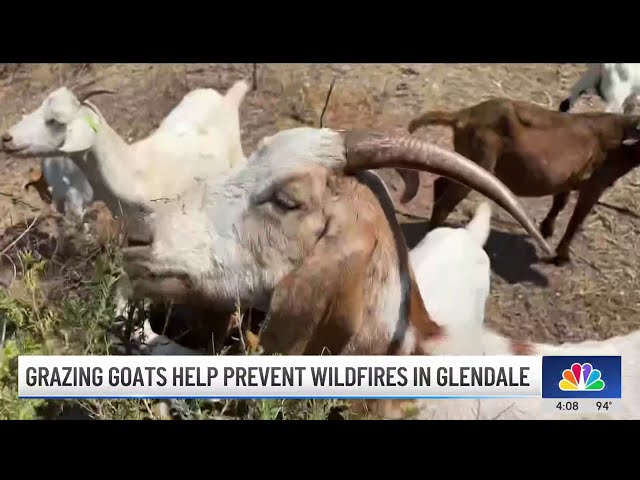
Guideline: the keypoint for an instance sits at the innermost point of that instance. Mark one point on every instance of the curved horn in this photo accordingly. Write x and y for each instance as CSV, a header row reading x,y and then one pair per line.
x,y
369,150
84,96
83,83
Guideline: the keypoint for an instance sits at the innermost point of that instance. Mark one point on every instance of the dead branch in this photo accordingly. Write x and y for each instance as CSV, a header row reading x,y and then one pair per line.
x,y
29,227
254,85
326,101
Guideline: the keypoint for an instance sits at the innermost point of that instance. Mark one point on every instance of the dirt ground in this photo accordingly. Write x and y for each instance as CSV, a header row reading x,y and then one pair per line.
x,y
595,297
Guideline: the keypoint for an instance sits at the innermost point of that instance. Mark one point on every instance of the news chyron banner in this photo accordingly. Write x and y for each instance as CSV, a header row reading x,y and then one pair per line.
x,y
565,384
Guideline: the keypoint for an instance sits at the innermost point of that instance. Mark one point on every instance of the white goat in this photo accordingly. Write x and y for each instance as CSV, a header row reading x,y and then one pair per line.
x,y
199,137
616,83
453,273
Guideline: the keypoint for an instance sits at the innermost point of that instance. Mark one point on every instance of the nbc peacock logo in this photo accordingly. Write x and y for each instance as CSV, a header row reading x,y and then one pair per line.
x,y
581,378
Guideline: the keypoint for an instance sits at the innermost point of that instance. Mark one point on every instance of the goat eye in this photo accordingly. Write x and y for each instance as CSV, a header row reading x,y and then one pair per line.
x,y
52,122
284,201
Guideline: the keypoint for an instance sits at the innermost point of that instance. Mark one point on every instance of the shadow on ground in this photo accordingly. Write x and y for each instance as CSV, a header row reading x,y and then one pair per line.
x,y
513,257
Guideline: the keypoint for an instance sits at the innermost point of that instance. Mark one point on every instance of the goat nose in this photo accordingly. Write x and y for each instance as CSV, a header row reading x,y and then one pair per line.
x,y
6,137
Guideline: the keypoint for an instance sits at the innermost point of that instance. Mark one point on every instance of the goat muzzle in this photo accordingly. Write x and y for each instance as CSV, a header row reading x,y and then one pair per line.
x,y
138,234
366,150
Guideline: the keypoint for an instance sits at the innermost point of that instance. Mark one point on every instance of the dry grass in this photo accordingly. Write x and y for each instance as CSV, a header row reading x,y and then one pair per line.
x,y
596,297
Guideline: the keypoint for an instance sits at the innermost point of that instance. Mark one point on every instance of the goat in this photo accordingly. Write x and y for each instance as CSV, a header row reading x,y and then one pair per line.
x,y
453,273
59,181
307,233
537,152
298,233
615,83
200,136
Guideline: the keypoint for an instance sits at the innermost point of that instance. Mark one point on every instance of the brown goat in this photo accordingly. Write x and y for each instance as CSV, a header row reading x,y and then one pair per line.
x,y
536,152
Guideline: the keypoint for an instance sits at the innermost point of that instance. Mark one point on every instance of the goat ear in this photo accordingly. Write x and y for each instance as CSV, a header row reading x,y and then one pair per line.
x,y
318,307
80,134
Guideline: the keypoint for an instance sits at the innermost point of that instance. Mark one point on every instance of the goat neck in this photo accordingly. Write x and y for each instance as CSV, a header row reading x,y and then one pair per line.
x,y
103,155
114,161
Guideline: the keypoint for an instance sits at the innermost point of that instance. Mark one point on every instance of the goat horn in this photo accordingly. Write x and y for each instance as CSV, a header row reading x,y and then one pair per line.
x,y
369,150
81,83
84,82
82,97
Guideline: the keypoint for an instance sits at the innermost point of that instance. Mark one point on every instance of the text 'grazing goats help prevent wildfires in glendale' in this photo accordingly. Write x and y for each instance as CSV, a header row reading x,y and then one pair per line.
x,y
278,376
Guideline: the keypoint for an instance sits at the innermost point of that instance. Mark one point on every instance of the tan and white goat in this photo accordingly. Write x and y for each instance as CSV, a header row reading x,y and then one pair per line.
x,y
299,232
307,233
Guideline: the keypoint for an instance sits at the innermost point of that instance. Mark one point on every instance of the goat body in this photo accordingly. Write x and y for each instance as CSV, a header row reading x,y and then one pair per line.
x,y
538,152
203,130
616,83
452,271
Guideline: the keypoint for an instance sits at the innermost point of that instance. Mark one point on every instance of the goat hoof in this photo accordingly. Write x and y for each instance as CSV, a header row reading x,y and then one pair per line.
x,y
557,260
560,260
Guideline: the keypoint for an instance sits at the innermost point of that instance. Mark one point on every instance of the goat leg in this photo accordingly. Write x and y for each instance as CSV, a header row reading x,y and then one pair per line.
x,y
447,194
450,195
590,192
547,226
411,179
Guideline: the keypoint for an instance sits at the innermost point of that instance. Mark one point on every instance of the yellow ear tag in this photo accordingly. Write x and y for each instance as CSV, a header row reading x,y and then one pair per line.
x,y
92,124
